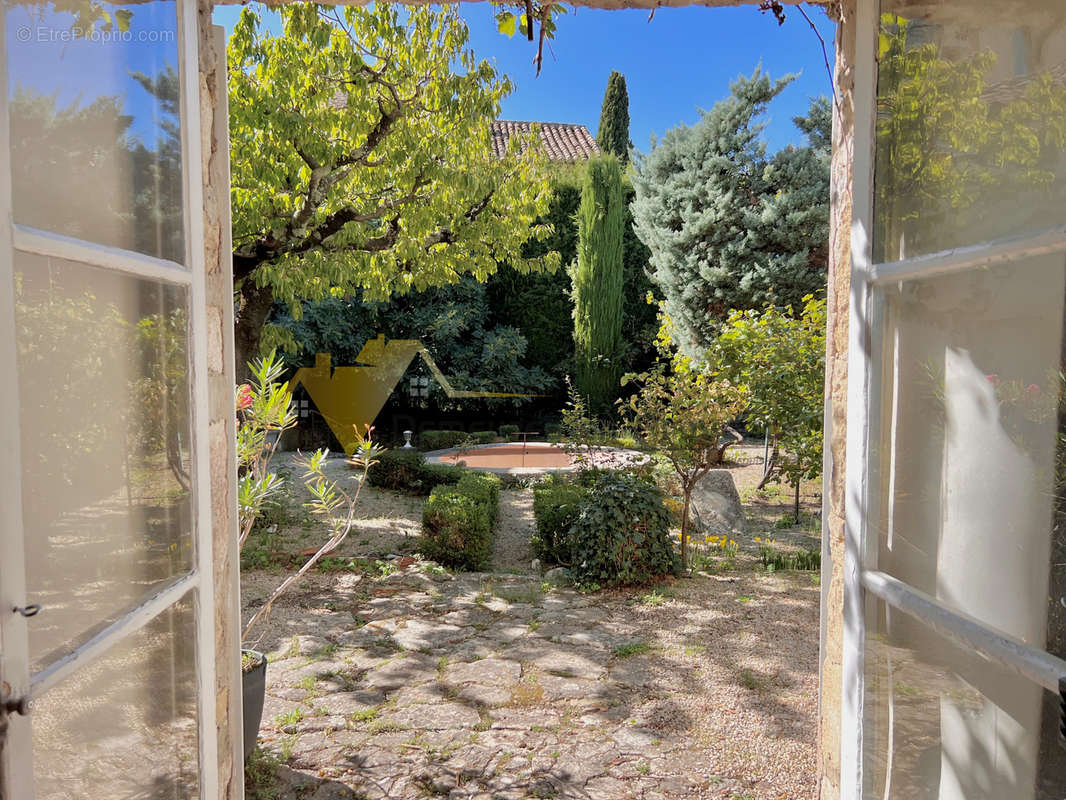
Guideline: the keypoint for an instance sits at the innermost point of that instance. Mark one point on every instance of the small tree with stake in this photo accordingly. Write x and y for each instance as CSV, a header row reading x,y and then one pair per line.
x,y
682,412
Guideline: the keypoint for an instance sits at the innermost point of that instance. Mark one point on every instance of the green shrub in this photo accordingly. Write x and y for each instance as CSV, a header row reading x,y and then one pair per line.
x,y
483,488
555,506
484,437
621,534
440,440
397,469
434,475
509,432
456,529
407,470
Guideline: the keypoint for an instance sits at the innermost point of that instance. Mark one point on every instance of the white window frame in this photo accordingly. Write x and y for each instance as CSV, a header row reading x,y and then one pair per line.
x,y
863,582
16,766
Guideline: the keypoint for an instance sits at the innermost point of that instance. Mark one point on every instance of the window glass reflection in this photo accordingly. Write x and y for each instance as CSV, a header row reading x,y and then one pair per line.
x,y
95,133
971,123
105,438
124,726
972,471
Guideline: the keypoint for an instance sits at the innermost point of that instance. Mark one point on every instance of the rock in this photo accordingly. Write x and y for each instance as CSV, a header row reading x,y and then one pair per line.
x,y
634,740
419,634
716,507
559,575
347,703
487,672
438,716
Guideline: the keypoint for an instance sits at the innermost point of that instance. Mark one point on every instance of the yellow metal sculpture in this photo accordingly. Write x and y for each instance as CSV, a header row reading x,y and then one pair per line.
x,y
352,396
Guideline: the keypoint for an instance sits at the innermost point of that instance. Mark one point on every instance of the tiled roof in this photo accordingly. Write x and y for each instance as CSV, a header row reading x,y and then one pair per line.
x,y
561,140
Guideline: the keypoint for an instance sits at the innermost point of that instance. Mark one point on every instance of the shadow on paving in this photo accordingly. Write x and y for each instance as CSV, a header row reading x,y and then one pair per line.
x,y
498,686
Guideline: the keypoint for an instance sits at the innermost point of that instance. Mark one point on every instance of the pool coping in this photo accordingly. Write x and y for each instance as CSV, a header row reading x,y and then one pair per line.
x,y
437,456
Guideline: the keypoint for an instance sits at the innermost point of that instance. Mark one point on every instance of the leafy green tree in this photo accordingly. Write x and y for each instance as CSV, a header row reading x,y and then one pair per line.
x,y
454,322
597,284
613,133
362,160
778,359
682,411
729,227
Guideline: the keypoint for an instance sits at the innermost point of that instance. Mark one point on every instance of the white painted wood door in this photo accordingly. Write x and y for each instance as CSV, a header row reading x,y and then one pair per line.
x,y
106,614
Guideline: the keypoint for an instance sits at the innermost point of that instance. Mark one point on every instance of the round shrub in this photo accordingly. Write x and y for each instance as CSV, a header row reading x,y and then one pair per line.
x,y
407,471
509,432
456,530
440,440
555,507
485,489
397,469
621,534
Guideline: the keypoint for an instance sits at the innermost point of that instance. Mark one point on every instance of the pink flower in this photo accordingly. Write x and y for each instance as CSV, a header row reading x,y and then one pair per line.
x,y
993,378
244,397
1032,389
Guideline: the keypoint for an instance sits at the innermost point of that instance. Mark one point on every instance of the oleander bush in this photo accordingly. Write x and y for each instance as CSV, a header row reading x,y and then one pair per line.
x,y
458,522
441,440
555,506
621,534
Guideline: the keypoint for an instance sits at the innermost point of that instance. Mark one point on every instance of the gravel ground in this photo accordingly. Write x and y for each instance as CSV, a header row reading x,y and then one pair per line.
x,y
511,550
495,686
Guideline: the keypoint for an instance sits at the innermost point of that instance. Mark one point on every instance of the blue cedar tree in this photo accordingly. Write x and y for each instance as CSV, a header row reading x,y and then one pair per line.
x,y
728,226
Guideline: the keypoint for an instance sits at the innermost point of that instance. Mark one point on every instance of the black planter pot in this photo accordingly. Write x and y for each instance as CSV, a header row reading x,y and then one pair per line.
x,y
253,684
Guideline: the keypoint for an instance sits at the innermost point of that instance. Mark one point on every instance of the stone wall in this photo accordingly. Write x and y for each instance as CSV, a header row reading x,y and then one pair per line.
x,y
836,397
214,136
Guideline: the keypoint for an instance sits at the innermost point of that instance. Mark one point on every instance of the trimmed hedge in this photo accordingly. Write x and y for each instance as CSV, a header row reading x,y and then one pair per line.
x,y
555,507
484,437
440,440
483,488
621,534
407,470
458,522
509,432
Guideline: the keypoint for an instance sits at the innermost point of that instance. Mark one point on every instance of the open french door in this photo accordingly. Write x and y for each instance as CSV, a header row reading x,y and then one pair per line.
x,y
106,616
955,592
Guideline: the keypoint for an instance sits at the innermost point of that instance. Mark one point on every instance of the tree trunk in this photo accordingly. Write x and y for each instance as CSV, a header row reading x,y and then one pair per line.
x,y
684,527
251,316
796,503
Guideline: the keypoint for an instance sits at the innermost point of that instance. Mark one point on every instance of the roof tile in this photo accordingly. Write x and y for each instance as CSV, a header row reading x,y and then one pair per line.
x,y
562,141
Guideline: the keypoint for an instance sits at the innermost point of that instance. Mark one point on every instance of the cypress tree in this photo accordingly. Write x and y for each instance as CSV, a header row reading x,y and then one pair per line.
x,y
613,135
597,279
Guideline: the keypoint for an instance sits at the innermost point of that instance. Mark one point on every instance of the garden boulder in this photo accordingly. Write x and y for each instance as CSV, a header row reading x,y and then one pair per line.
x,y
716,508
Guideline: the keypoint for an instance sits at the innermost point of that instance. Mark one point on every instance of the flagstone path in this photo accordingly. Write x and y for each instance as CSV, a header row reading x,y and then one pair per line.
x,y
423,684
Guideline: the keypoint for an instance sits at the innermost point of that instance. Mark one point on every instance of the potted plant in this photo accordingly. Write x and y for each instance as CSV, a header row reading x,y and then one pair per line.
x,y
264,412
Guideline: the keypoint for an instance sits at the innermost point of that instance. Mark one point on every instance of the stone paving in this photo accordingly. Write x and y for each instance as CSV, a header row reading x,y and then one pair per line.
x,y
424,684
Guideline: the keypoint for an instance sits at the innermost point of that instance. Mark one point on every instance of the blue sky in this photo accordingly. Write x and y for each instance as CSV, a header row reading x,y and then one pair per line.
x,y
682,60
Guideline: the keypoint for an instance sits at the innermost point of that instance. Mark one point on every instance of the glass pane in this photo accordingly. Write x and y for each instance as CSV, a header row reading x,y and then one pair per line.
x,y
942,724
124,726
971,123
95,134
972,448
971,462
104,404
